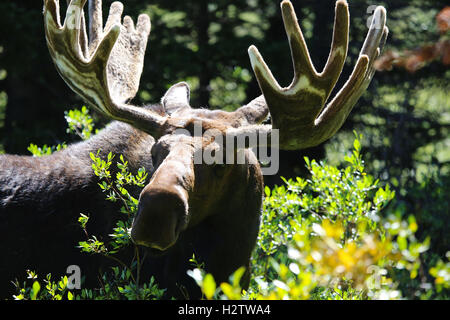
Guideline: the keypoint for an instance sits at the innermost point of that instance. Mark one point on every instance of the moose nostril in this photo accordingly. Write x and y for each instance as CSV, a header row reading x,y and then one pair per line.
x,y
160,219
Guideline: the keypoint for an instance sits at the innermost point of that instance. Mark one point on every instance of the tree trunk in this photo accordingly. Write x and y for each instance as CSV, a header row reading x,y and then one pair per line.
x,y
202,26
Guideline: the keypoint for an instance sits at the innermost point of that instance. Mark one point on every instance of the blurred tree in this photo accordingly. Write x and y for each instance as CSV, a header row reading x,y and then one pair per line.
x,y
413,60
406,118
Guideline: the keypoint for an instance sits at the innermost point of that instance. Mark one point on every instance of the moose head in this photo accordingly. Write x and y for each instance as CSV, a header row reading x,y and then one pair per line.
x,y
104,64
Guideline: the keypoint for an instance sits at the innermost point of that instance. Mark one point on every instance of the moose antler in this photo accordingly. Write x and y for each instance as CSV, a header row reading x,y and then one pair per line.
x,y
106,70
299,110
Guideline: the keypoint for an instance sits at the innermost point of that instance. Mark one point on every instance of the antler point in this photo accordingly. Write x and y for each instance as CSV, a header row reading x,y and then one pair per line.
x,y
144,23
342,3
51,7
381,12
364,57
118,5
256,59
286,5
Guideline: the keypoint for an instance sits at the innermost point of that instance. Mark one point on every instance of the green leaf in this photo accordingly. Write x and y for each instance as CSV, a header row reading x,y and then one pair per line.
x,y
237,276
402,243
357,145
267,191
227,290
209,286
35,290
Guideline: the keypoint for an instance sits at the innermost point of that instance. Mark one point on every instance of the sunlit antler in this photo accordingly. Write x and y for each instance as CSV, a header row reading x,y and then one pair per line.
x,y
106,70
299,110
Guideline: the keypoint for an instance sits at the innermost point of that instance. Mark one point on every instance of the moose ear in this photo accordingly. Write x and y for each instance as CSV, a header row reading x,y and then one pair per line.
x,y
177,97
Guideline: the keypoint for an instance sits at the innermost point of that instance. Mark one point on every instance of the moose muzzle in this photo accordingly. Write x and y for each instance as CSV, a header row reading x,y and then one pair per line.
x,y
161,216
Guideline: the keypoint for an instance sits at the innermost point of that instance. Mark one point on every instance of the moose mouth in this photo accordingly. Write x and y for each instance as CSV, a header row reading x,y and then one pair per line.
x,y
161,243
160,218
155,245
153,252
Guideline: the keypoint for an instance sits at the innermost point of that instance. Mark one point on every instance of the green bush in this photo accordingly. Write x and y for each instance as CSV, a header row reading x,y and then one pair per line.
x,y
326,237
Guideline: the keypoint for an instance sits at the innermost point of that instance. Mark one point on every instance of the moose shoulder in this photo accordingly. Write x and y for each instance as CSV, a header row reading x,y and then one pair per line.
x,y
188,207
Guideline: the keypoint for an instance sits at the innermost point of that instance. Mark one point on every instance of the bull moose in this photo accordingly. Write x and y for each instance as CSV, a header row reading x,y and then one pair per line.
x,y
187,207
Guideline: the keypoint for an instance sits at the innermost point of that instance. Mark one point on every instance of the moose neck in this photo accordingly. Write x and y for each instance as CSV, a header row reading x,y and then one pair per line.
x,y
46,179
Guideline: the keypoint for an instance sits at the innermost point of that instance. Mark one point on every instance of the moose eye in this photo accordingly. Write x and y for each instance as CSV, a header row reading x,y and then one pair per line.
x,y
155,157
159,153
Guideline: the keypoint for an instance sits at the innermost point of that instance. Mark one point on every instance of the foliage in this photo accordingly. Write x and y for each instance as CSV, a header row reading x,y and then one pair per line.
x,y
80,122
124,281
51,291
116,190
44,150
325,238
441,273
